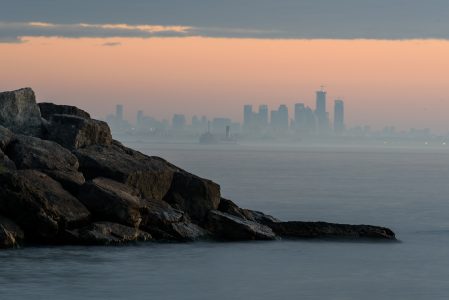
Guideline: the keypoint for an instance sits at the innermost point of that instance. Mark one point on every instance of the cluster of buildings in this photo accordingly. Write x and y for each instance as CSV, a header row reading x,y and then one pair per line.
x,y
305,121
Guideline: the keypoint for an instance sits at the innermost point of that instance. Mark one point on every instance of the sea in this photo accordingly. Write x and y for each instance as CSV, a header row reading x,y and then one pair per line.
x,y
403,188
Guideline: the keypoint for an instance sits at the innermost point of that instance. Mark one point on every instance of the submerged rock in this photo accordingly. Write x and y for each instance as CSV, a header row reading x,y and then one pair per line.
x,y
20,113
297,229
106,233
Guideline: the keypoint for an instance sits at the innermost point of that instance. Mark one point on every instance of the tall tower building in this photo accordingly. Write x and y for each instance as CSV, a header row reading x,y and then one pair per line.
x,y
283,117
119,112
247,116
321,113
300,116
339,116
263,116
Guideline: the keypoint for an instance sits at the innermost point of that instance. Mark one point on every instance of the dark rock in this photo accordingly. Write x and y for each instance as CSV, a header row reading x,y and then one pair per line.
x,y
106,233
229,207
75,132
5,137
48,157
151,177
109,200
166,223
5,162
20,113
50,109
194,195
296,229
229,227
39,204
11,236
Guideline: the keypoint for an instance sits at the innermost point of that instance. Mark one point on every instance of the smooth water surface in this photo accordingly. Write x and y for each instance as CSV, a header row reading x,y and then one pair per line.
x,y
404,189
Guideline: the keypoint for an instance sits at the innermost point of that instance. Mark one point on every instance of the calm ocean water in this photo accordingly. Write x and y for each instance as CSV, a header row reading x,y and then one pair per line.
x,y
404,189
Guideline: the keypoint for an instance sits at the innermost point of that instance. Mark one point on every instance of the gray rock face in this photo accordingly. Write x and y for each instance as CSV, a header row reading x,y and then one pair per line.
x,y
166,223
229,207
151,177
11,236
48,157
296,229
229,227
50,109
106,233
20,113
5,137
75,132
194,195
109,200
39,205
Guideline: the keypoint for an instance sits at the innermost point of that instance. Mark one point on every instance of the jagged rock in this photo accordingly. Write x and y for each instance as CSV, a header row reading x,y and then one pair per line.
x,y
11,236
75,132
48,157
5,137
296,229
229,227
20,113
106,233
151,177
50,109
109,200
39,204
166,223
5,162
229,207
194,195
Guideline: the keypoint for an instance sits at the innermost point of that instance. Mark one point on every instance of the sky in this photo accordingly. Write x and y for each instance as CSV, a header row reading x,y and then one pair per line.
x,y
387,59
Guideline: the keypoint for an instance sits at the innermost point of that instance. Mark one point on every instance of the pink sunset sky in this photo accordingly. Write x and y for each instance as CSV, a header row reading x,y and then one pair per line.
x,y
402,83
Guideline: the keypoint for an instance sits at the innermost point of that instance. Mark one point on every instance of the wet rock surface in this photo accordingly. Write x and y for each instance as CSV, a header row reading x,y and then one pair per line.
x,y
64,180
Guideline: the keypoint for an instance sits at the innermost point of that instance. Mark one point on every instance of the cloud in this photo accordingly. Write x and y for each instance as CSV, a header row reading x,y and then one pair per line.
x,y
15,31
111,44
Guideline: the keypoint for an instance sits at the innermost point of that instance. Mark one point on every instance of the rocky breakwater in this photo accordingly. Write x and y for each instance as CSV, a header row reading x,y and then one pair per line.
x,y
64,180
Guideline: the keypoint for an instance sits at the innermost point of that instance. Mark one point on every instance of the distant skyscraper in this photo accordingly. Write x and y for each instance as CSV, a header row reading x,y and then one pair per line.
x,y
139,118
339,116
178,121
283,117
321,113
300,118
263,116
247,116
119,112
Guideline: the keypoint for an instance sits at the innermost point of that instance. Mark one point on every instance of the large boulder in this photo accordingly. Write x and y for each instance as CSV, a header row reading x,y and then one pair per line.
x,y
229,227
20,113
229,207
166,223
106,233
151,177
75,132
11,236
48,157
194,195
297,229
50,109
39,205
109,200
5,137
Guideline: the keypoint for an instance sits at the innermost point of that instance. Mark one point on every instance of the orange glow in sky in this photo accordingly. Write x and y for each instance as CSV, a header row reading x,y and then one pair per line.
x,y
401,83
